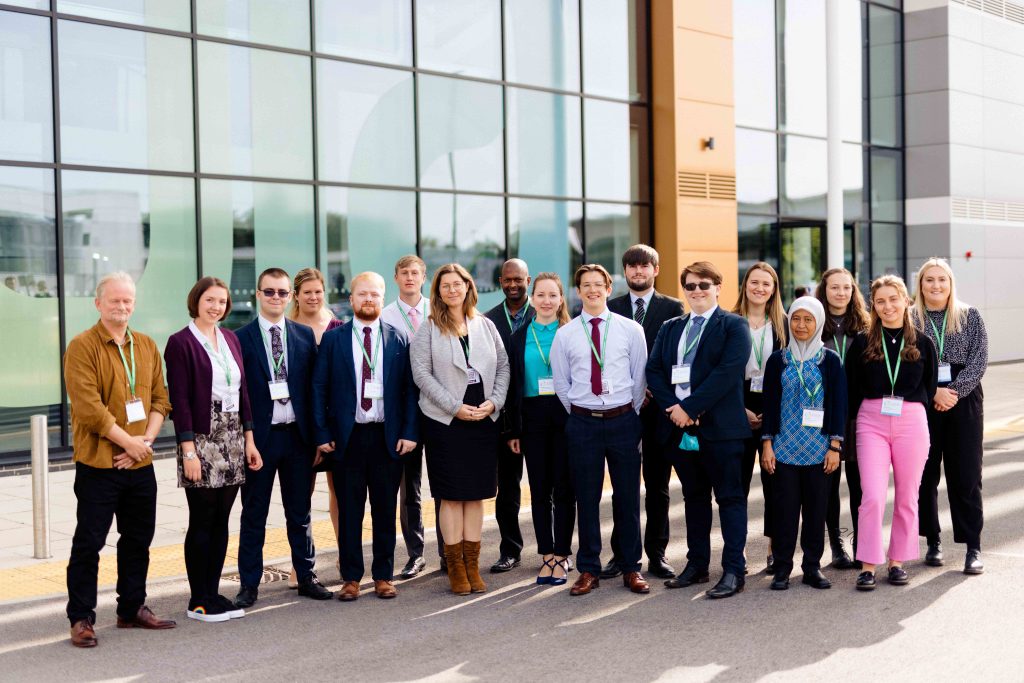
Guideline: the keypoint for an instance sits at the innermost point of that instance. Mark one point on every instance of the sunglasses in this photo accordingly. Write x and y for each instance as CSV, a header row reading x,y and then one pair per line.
x,y
281,293
692,286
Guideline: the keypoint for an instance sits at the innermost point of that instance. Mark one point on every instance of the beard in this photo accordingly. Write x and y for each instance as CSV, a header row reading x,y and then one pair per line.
x,y
368,312
640,285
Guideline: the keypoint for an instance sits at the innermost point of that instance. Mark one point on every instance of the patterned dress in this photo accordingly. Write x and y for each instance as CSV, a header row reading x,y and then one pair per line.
x,y
796,444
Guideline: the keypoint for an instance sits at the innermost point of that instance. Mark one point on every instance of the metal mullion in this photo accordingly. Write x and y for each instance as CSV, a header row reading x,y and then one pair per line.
x,y
583,139
58,210
314,113
903,141
504,125
416,126
26,10
197,189
650,121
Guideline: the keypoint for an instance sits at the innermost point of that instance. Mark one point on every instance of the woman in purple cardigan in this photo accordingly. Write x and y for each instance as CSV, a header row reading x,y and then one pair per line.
x,y
213,427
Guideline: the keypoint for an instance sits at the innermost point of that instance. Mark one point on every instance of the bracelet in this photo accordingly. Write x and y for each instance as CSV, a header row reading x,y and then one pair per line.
x,y
189,455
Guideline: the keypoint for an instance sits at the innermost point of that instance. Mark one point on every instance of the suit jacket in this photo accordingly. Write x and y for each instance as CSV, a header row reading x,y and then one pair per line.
x,y
661,308
301,355
497,316
716,378
334,389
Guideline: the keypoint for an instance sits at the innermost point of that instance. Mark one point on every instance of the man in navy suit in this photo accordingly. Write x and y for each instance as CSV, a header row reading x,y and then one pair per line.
x,y
364,409
695,372
278,355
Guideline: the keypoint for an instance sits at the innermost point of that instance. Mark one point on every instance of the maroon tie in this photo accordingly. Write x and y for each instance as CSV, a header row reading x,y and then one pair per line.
x,y
366,403
595,367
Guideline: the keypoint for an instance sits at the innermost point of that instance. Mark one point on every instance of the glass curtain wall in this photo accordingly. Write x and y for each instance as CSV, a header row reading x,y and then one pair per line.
x,y
340,134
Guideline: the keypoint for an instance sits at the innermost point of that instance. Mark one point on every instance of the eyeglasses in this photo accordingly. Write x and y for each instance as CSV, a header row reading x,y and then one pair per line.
x,y
453,286
281,293
692,286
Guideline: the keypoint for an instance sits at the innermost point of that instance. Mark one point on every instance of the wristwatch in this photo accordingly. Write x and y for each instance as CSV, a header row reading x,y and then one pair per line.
x,y
189,455
838,449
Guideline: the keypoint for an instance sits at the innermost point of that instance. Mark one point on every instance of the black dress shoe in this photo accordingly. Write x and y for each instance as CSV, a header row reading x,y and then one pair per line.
x,y
689,576
728,586
246,596
444,565
311,587
780,582
840,558
866,581
898,576
973,563
611,570
412,568
770,568
661,569
816,579
933,558
504,564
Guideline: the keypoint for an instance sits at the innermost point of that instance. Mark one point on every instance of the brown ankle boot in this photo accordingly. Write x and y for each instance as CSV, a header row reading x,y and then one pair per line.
x,y
471,551
456,569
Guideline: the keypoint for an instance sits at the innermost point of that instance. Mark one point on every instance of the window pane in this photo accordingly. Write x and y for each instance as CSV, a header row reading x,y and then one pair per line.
x,y
249,227
802,105
542,43
754,62
365,132
611,229
851,83
758,241
32,4
609,51
469,230
254,112
363,230
460,135
886,249
853,182
275,22
28,260
886,66
757,185
379,31
170,14
544,144
609,150
804,176
125,98
886,185
547,235
26,112
460,36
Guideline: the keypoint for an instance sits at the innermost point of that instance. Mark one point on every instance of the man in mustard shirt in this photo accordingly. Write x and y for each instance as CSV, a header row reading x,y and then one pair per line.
x,y
118,401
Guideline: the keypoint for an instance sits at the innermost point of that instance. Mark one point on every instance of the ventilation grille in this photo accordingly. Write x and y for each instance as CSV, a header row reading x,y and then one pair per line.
x,y
983,209
706,185
1011,11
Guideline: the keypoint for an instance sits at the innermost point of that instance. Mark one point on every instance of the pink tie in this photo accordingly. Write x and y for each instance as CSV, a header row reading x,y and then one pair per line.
x,y
414,318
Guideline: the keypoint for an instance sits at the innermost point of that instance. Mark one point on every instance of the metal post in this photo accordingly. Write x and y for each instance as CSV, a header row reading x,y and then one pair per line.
x,y
40,488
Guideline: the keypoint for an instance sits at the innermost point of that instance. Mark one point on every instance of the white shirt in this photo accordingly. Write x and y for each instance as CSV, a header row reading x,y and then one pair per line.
x,y
282,413
392,315
220,385
376,412
764,347
625,361
681,392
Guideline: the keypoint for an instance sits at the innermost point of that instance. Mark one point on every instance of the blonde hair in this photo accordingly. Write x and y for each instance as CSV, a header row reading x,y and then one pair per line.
x,y
956,310
874,346
773,307
439,314
370,276
116,276
301,278
563,309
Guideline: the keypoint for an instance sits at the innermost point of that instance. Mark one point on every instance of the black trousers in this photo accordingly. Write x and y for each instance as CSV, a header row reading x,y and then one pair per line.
x,y
751,454
800,490
105,494
206,541
410,510
546,451
367,467
956,439
507,503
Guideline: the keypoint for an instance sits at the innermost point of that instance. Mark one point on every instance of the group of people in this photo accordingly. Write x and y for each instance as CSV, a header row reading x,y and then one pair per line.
x,y
633,386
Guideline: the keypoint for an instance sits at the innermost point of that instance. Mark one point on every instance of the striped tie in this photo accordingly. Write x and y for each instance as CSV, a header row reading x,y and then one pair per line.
x,y
640,313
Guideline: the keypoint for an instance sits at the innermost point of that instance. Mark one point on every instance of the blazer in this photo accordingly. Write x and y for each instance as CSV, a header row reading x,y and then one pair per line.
x,y
301,350
334,389
833,382
190,384
440,371
716,378
660,309
517,382
497,316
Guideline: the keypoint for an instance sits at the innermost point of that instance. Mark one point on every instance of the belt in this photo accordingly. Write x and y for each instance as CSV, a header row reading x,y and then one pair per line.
x,y
282,427
602,414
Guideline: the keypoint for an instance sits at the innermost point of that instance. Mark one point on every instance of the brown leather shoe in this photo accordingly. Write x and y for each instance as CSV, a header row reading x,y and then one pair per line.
x,y
349,591
145,618
82,634
635,582
384,589
586,583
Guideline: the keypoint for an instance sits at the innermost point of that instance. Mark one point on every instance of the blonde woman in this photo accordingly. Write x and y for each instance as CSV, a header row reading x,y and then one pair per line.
x,y
956,415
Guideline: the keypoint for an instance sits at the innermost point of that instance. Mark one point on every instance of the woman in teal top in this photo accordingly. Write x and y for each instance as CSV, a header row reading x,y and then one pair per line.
x,y
538,429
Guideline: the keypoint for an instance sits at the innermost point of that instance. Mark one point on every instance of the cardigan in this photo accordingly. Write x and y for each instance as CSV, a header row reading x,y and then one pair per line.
x,y
833,381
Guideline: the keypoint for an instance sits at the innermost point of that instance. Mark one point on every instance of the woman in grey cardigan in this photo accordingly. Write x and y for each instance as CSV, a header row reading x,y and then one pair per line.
x,y
461,369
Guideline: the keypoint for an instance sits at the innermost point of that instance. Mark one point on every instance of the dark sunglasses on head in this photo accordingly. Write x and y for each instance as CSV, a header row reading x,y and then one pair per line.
x,y
691,286
282,293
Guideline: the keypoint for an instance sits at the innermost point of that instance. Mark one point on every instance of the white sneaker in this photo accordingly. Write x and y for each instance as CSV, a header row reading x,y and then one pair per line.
x,y
207,611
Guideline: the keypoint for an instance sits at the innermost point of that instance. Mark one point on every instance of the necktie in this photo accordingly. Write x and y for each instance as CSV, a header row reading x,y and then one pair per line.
x,y
690,347
364,402
640,312
277,349
595,367
414,318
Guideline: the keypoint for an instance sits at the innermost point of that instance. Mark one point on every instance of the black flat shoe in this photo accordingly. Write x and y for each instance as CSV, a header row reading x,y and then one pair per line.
x,y
866,581
816,579
973,563
780,582
728,586
312,588
412,568
840,557
770,569
247,596
661,569
933,558
688,577
898,576
504,564
611,570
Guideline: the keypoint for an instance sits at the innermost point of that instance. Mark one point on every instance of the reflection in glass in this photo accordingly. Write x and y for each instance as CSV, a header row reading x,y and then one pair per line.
x,y
542,43
379,31
547,235
363,230
757,187
758,241
611,229
249,227
804,181
460,134
544,144
886,249
886,185
851,84
853,182
465,229
802,101
274,22
365,117
31,4
254,112
885,65
754,62
801,249
26,114
608,149
170,14
609,52
459,36
125,98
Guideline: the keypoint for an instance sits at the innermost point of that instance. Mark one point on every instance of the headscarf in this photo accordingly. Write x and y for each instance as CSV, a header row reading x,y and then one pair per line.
x,y
805,351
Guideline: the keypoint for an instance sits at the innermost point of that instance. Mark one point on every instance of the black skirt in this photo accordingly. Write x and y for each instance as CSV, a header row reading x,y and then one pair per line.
x,y
462,457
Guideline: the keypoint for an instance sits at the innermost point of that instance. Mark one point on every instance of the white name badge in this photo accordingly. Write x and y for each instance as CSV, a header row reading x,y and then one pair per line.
x,y
606,386
229,402
278,389
474,376
945,373
892,406
757,384
814,418
681,374
373,389
546,386
135,410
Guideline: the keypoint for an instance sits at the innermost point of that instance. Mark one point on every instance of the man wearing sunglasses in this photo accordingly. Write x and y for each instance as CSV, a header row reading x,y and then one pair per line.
x,y
279,355
695,372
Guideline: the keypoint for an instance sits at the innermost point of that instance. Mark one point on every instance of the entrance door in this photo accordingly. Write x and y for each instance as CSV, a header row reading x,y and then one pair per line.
x,y
801,257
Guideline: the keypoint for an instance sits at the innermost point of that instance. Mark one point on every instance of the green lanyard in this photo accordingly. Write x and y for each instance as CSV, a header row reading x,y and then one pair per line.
x,y
464,341
406,315
223,361
759,349
547,361
604,341
376,350
276,365
800,374
686,333
508,318
129,373
940,338
888,368
842,351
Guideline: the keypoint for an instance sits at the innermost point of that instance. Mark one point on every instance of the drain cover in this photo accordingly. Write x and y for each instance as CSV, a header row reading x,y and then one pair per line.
x,y
270,575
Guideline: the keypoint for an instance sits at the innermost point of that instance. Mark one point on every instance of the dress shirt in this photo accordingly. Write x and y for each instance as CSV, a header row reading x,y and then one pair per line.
x,y
647,302
282,413
376,411
625,360
392,314
516,319
220,387
533,363
765,348
682,393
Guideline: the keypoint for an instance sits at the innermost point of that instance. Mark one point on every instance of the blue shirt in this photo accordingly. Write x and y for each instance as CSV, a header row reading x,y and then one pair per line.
x,y
796,444
536,367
